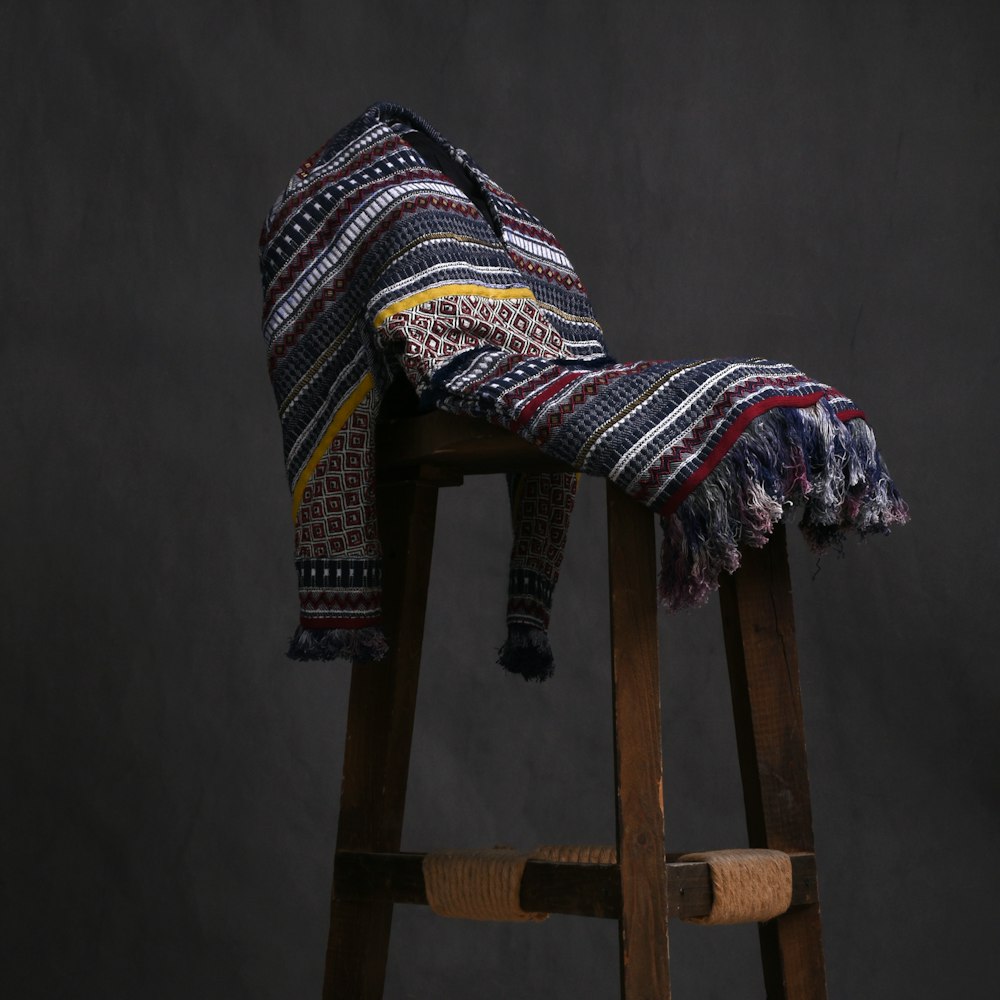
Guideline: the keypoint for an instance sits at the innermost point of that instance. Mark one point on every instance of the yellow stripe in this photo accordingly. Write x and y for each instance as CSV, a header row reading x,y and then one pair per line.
x,y
339,419
572,317
443,291
638,401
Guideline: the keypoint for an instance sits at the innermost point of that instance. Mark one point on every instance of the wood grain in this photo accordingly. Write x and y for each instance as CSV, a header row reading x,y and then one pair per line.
x,y
643,946
453,441
767,706
379,731
419,454
583,890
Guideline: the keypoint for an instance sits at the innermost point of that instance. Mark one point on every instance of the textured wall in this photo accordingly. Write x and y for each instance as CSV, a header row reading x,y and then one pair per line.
x,y
814,182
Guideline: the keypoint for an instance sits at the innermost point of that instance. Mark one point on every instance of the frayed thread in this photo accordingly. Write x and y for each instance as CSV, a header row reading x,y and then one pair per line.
x,y
357,644
527,652
788,457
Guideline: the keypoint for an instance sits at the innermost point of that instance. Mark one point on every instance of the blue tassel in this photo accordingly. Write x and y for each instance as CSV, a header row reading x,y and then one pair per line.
x,y
358,644
527,652
788,457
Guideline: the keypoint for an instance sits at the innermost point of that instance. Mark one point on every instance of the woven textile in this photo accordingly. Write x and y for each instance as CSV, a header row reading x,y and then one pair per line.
x,y
392,255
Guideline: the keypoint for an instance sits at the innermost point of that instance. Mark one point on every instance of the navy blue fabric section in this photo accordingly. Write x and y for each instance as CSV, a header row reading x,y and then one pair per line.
x,y
320,574
437,156
529,583
319,402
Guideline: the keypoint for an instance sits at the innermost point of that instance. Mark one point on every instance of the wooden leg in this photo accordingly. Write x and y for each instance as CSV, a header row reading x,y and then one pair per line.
x,y
642,927
379,731
764,676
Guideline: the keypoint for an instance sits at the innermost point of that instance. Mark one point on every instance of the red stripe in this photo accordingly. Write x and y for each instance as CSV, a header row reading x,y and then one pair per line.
x,y
854,414
359,162
738,426
292,268
524,417
318,303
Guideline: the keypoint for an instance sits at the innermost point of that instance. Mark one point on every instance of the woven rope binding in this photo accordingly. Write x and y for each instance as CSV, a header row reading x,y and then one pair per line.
x,y
482,884
485,884
747,885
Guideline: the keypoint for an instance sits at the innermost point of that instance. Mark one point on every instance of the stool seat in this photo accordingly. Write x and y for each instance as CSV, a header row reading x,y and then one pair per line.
x,y
644,887
459,444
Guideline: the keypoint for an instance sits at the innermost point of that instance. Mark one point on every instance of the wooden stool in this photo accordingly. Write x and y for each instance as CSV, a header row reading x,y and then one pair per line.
x,y
645,886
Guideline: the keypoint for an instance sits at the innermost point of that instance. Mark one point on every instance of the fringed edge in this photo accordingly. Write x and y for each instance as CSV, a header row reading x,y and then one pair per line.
x,y
357,644
527,652
787,457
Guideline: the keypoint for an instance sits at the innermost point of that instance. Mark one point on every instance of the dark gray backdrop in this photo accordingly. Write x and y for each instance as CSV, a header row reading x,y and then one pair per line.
x,y
815,182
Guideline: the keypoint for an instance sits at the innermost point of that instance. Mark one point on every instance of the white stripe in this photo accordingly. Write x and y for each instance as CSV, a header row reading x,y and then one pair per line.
x,y
539,250
332,255
596,349
334,393
364,141
552,401
687,430
690,458
689,402
558,317
393,292
381,199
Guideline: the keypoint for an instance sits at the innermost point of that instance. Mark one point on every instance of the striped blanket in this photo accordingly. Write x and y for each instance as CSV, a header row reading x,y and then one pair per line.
x,y
392,256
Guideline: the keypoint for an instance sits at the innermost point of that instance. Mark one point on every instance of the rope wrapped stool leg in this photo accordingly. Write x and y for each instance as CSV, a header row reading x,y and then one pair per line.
x,y
748,886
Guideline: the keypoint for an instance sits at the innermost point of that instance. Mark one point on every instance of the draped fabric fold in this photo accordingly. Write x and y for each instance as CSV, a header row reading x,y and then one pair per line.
x,y
392,255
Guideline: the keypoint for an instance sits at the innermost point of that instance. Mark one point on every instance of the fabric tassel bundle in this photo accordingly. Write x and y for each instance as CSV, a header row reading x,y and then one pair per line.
x,y
392,255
